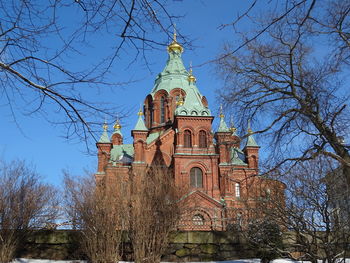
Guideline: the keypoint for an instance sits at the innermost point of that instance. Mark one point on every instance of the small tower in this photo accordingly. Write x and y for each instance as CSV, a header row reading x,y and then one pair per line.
x,y
117,136
139,133
104,147
222,137
251,150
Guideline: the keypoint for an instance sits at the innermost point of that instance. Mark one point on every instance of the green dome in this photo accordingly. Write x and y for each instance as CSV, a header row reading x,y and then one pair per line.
x,y
176,76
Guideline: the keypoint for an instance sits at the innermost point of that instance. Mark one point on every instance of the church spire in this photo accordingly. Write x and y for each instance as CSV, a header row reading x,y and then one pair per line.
x,y
104,137
250,139
140,125
222,125
233,129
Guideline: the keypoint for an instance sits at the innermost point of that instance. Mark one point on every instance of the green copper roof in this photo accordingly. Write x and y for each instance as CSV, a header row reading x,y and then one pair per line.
x,y
153,136
104,137
251,142
140,125
250,139
234,156
193,105
116,130
122,153
173,76
233,128
223,126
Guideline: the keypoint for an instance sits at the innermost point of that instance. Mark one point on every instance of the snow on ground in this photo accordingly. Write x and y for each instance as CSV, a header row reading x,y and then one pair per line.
x,y
24,260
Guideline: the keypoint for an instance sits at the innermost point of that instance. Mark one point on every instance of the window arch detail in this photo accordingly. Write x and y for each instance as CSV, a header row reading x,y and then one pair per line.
x,y
203,139
162,109
187,139
198,220
237,190
196,177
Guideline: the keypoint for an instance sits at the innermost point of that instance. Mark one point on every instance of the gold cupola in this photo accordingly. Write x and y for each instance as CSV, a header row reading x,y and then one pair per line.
x,y
117,125
191,78
175,46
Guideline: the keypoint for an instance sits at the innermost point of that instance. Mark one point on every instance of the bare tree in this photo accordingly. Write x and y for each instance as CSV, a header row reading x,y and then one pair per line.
x,y
154,213
40,43
290,77
310,217
26,204
99,210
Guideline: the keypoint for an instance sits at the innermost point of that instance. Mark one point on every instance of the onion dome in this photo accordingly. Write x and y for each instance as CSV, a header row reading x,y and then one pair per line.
x,y
117,127
175,46
191,78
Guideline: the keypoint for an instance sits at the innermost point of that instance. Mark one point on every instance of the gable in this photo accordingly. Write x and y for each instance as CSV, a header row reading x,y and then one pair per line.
x,y
200,199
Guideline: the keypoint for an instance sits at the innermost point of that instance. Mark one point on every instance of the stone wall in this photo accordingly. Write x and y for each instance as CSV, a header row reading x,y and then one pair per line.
x,y
52,244
205,246
184,246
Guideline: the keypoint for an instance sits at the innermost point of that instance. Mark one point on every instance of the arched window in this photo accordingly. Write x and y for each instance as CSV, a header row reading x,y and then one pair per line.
x,y
196,177
187,139
162,109
238,189
198,220
150,116
202,139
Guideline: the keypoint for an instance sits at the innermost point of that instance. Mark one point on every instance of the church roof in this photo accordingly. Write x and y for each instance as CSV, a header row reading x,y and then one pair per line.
x,y
236,156
117,128
223,126
140,124
122,153
193,104
104,137
250,139
153,136
251,142
174,76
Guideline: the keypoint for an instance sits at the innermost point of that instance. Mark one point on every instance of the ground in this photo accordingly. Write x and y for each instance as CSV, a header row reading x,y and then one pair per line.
x,y
23,260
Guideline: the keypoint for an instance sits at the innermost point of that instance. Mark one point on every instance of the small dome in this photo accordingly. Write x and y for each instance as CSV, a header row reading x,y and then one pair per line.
x,y
191,78
174,46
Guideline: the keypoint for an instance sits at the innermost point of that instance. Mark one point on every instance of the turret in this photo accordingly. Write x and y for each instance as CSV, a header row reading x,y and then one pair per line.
x,y
234,136
104,147
222,137
139,133
251,150
117,136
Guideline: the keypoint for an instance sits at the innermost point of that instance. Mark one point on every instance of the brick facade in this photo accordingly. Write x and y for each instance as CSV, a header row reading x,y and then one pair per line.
x,y
175,129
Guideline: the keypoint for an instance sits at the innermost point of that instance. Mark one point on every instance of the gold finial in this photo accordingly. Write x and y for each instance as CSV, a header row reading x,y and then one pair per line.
x,y
221,112
174,46
117,125
232,126
180,101
191,78
140,113
250,131
174,36
105,126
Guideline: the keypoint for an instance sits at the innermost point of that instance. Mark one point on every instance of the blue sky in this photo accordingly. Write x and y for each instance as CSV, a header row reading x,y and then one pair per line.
x,y
42,144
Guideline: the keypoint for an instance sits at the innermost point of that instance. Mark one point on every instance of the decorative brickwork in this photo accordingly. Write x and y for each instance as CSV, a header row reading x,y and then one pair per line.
x,y
174,129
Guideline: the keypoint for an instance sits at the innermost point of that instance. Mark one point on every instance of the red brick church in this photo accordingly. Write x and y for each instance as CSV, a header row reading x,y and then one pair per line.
x,y
175,129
